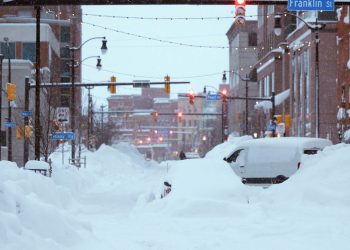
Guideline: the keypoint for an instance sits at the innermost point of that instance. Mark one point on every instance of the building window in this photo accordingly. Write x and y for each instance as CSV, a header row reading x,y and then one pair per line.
x,y
29,51
24,13
5,50
273,82
3,138
64,52
65,34
65,97
252,39
65,69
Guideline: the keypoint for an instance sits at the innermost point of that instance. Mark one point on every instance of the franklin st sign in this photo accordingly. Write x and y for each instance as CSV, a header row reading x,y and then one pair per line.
x,y
304,5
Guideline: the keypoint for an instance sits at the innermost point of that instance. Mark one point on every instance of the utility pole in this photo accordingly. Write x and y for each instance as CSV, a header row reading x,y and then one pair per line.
x,y
72,104
9,138
1,58
89,122
102,107
26,121
37,86
246,105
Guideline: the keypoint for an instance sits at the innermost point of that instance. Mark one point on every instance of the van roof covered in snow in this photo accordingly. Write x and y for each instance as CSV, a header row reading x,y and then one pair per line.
x,y
299,142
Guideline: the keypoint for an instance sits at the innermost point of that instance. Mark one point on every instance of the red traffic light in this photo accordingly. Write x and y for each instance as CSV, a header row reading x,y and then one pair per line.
x,y
179,114
224,95
191,97
240,2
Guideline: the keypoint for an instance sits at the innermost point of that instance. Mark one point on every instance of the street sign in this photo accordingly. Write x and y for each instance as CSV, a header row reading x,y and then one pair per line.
x,y
62,136
213,97
163,131
27,113
304,5
141,83
62,114
9,124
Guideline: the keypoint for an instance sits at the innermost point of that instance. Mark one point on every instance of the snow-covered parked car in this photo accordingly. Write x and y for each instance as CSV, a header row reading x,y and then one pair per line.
x,y
272,160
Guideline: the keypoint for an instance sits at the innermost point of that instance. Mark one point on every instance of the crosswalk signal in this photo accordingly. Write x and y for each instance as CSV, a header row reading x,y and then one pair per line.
x,y
240,12
112,88
167,84
11,91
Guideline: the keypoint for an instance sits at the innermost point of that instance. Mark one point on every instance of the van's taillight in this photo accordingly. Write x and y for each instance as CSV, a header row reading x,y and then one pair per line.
x,y
298,165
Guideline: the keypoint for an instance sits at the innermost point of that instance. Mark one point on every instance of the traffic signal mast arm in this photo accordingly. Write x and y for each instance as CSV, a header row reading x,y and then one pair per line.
x,y
96,84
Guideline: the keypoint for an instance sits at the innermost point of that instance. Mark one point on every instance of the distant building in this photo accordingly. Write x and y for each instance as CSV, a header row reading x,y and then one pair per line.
x,y
242,59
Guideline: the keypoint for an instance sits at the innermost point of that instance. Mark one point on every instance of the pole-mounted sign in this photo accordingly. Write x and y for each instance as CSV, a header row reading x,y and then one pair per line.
x,y
305,5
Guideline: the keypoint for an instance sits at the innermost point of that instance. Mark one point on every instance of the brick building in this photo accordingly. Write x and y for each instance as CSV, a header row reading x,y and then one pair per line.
x,y
60,26
343,81
288,61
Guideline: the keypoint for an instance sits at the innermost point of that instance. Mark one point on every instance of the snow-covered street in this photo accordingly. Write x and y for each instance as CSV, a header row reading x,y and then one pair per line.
x,y
114,203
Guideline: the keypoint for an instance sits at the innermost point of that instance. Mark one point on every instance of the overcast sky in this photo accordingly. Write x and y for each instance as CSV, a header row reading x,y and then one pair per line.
x,y
131,58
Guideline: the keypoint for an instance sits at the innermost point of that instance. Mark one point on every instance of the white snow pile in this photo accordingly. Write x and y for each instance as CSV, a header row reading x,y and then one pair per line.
x,y
114,203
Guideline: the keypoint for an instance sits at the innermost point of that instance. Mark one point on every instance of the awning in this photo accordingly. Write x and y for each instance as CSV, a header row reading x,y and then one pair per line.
x,y
279,99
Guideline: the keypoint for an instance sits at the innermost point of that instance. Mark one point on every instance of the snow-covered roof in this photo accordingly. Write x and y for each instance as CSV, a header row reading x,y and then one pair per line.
x,y
279,98
25,32
161,100
277,142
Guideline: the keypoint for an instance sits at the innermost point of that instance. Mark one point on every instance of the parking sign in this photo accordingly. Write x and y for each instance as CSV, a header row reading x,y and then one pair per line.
x,y
62,114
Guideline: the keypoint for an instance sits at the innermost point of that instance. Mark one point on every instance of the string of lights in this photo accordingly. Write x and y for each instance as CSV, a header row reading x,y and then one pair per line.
x,y
250,48
154,77
154,39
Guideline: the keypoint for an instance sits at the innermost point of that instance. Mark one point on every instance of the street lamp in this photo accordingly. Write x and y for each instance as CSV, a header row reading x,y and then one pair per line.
x,y
246,79
72,49
314,28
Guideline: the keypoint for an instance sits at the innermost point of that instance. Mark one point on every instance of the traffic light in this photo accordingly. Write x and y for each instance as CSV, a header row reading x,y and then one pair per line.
x,y
28,131
112,88
240,12
224,95
11,91
155,116
19,133
191,97
167,84
179,116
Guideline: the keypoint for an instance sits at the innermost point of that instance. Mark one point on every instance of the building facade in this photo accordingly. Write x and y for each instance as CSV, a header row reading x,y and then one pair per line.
x,y
241,74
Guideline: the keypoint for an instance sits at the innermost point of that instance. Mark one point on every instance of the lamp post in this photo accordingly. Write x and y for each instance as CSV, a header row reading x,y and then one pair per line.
x,y
224,126
314,28
72,49
246,79
9,138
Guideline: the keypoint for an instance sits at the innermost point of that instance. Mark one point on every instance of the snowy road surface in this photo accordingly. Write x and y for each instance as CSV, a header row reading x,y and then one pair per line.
x,y
115,204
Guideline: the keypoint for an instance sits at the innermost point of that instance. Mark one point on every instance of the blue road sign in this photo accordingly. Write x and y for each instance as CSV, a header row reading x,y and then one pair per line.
x,y
27,113
62,136
304,5
213,97
9,124
163,131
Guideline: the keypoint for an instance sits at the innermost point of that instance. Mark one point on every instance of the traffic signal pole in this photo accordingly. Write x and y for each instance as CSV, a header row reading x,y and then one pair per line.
x,y
26,121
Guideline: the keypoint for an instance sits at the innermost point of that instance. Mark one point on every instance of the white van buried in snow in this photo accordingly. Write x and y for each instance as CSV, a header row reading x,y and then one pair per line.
x,y
272,160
